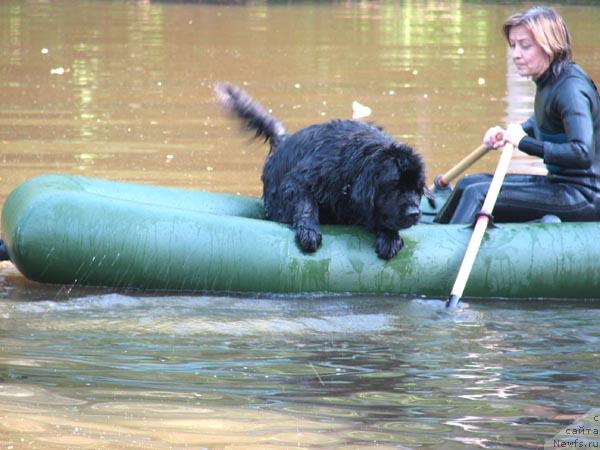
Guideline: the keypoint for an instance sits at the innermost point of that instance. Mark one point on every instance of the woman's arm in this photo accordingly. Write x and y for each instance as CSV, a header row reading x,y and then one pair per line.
x,y
571,105
529,126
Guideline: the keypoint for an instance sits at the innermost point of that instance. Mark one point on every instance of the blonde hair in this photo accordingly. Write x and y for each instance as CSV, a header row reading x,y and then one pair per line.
x,y
548,30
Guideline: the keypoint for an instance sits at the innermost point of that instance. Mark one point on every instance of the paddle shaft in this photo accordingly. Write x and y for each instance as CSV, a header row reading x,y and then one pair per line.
x,y
480,226
445,179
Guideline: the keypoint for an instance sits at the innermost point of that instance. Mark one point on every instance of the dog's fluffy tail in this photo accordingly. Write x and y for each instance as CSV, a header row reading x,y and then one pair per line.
x,y
252,115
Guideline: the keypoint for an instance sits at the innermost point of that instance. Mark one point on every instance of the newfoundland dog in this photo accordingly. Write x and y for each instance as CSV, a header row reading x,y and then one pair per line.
x,y
340,172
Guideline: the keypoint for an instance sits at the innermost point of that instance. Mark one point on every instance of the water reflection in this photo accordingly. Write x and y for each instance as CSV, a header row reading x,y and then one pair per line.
x,y
136,77
339,371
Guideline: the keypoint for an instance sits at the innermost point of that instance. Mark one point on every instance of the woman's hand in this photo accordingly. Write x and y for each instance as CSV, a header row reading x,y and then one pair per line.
x,y
494,137
514,133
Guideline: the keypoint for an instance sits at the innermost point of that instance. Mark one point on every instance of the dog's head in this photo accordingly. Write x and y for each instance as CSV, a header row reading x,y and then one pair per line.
x,y
390,186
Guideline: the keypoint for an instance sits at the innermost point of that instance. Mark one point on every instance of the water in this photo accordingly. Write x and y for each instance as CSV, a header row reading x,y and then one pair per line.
x,y
113,369
122,90
117,370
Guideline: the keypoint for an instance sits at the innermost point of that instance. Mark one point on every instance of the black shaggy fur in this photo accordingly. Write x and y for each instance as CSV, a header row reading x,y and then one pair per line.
x,y
340,172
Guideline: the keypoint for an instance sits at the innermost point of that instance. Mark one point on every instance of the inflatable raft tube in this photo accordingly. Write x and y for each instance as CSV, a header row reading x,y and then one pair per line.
x,y
83,231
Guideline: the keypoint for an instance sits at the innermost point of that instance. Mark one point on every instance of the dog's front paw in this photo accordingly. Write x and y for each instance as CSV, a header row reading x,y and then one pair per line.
x,y
387,247
308,239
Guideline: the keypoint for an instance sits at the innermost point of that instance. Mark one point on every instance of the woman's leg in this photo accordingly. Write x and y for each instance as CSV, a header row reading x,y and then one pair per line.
x,y
523,198
532,201
449,208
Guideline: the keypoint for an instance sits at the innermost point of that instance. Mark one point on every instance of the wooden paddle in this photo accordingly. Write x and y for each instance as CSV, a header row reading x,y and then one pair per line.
x,y
444,180
480,226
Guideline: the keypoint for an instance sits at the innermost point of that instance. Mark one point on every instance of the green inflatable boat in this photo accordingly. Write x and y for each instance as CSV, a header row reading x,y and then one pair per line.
x,y
90,232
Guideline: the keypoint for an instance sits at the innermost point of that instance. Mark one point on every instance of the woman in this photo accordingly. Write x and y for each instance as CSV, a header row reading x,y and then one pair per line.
x,y
564,131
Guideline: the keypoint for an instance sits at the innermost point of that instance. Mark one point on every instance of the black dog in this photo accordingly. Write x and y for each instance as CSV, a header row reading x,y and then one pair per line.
x,y
340,172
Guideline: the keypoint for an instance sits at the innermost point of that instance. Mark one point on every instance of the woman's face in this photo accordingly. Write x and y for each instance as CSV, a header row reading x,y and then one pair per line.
x,y
527,54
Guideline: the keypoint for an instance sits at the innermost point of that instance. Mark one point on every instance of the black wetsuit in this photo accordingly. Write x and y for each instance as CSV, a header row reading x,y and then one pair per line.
x,y
565,132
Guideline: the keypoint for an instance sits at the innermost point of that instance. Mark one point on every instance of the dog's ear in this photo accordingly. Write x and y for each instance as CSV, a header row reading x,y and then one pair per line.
x,y
409,161
378,169
412,169
363,189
